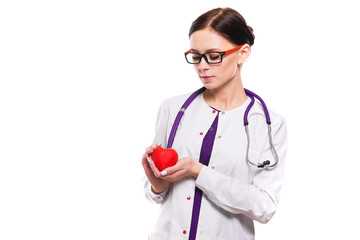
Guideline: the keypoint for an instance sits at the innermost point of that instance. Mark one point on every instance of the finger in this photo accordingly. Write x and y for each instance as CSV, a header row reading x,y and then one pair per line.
x,y
175,176
178,167
169,171
147,168
149,150
144,158
154,168
148,159
156,145
173,169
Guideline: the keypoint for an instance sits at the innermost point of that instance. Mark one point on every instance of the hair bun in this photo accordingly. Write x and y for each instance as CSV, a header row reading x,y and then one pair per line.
x,y
251,30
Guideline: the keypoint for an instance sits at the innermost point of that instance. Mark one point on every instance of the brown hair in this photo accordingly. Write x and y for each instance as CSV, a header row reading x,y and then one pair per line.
x,y
228,23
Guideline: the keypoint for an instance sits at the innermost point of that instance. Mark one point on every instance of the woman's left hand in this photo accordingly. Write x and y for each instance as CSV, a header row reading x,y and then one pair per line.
x,y
183,168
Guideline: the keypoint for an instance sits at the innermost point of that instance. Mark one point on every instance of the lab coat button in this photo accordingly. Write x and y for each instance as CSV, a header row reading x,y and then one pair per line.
x,y
219,136
201,232
188,197
213,111
212,167
201,133
222,112
184,232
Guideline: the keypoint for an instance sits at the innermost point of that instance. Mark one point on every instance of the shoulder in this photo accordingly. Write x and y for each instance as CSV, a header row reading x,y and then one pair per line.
x,y
175,102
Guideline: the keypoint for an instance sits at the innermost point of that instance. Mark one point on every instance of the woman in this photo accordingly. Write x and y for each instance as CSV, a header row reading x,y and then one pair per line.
x,y
219,199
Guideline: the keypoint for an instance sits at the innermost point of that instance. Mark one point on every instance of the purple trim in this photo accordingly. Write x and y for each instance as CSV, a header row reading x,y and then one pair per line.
x,y
215,109
267,115
205,154
180,114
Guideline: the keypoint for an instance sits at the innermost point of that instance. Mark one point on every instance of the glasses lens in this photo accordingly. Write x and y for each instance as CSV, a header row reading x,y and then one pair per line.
x,y
193,57
213,57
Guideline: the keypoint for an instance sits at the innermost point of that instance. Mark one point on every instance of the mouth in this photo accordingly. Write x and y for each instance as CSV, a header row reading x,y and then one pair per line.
x,y
206,78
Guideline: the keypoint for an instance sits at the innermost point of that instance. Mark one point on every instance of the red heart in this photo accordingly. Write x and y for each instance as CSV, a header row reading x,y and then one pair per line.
x,y
164,158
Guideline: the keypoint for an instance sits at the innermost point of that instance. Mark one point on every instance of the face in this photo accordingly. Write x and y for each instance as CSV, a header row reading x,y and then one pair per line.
x,y
217,75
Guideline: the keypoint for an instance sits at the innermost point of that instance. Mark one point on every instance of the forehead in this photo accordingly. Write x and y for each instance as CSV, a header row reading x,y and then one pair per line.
x,y
205,39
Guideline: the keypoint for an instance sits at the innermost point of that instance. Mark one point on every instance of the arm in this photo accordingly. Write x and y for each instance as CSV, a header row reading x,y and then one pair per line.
x,y
155,189
258,200
151,195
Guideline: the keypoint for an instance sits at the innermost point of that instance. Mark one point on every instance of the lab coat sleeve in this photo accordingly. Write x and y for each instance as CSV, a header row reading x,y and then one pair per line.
x,y
160,137
150,195
258,200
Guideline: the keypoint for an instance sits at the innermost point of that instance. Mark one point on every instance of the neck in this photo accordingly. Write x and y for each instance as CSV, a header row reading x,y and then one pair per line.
x,y
226,97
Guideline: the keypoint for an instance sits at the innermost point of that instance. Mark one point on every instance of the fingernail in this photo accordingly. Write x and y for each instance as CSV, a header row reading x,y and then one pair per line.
x,y
148,159
164,173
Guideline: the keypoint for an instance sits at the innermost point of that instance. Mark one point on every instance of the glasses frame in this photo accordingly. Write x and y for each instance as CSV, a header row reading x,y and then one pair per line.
x,y
204,56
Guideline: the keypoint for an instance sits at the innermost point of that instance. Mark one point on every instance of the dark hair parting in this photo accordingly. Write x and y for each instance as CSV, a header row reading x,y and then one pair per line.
x,y
227,22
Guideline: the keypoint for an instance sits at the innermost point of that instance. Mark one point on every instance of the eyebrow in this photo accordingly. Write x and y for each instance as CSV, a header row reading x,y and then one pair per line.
x,y
208,50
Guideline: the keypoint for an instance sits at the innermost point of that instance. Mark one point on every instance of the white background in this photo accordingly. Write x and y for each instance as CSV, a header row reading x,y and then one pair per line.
x,y
81,84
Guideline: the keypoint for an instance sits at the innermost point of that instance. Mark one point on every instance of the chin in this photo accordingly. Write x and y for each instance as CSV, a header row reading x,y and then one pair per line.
x,y
210,85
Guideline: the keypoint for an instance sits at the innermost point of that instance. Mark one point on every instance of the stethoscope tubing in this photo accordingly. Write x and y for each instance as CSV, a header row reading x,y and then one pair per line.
x,y
252,95
266,163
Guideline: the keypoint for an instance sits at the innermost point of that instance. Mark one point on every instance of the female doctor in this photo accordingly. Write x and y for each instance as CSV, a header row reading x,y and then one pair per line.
x,y
218,199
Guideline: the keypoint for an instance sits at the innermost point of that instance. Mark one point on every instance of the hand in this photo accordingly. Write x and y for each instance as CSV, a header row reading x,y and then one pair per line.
x,y
183,168
158,185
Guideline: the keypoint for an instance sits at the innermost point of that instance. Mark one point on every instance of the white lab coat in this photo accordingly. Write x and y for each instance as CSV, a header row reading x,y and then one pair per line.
x,y
234,192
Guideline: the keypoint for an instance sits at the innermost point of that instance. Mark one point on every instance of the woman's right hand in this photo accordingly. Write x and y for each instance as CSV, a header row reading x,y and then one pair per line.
x,y
158,185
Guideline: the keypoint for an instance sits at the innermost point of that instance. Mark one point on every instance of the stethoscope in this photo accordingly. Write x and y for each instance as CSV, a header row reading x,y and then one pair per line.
x,y
252,96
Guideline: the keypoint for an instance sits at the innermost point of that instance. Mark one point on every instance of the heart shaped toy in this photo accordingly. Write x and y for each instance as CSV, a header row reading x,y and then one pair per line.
x,y
164,158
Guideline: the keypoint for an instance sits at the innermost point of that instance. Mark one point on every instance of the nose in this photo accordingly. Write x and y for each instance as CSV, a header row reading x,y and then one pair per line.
x,y
203,65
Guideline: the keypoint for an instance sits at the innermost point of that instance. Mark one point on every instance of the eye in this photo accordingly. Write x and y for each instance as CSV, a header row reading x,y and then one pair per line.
x,y
214,56
195,56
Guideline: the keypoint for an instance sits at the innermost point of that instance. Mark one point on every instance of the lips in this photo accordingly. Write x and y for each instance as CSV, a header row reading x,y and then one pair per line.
x,y
206,78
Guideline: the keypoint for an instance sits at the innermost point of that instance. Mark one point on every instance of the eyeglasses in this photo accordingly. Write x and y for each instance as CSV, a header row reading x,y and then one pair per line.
x,y
210,57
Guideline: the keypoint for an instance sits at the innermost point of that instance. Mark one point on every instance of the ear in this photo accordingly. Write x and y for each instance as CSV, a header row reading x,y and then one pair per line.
x,y
244,53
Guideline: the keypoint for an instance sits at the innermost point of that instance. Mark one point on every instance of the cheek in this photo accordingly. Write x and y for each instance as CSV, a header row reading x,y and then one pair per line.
x,y
227,71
